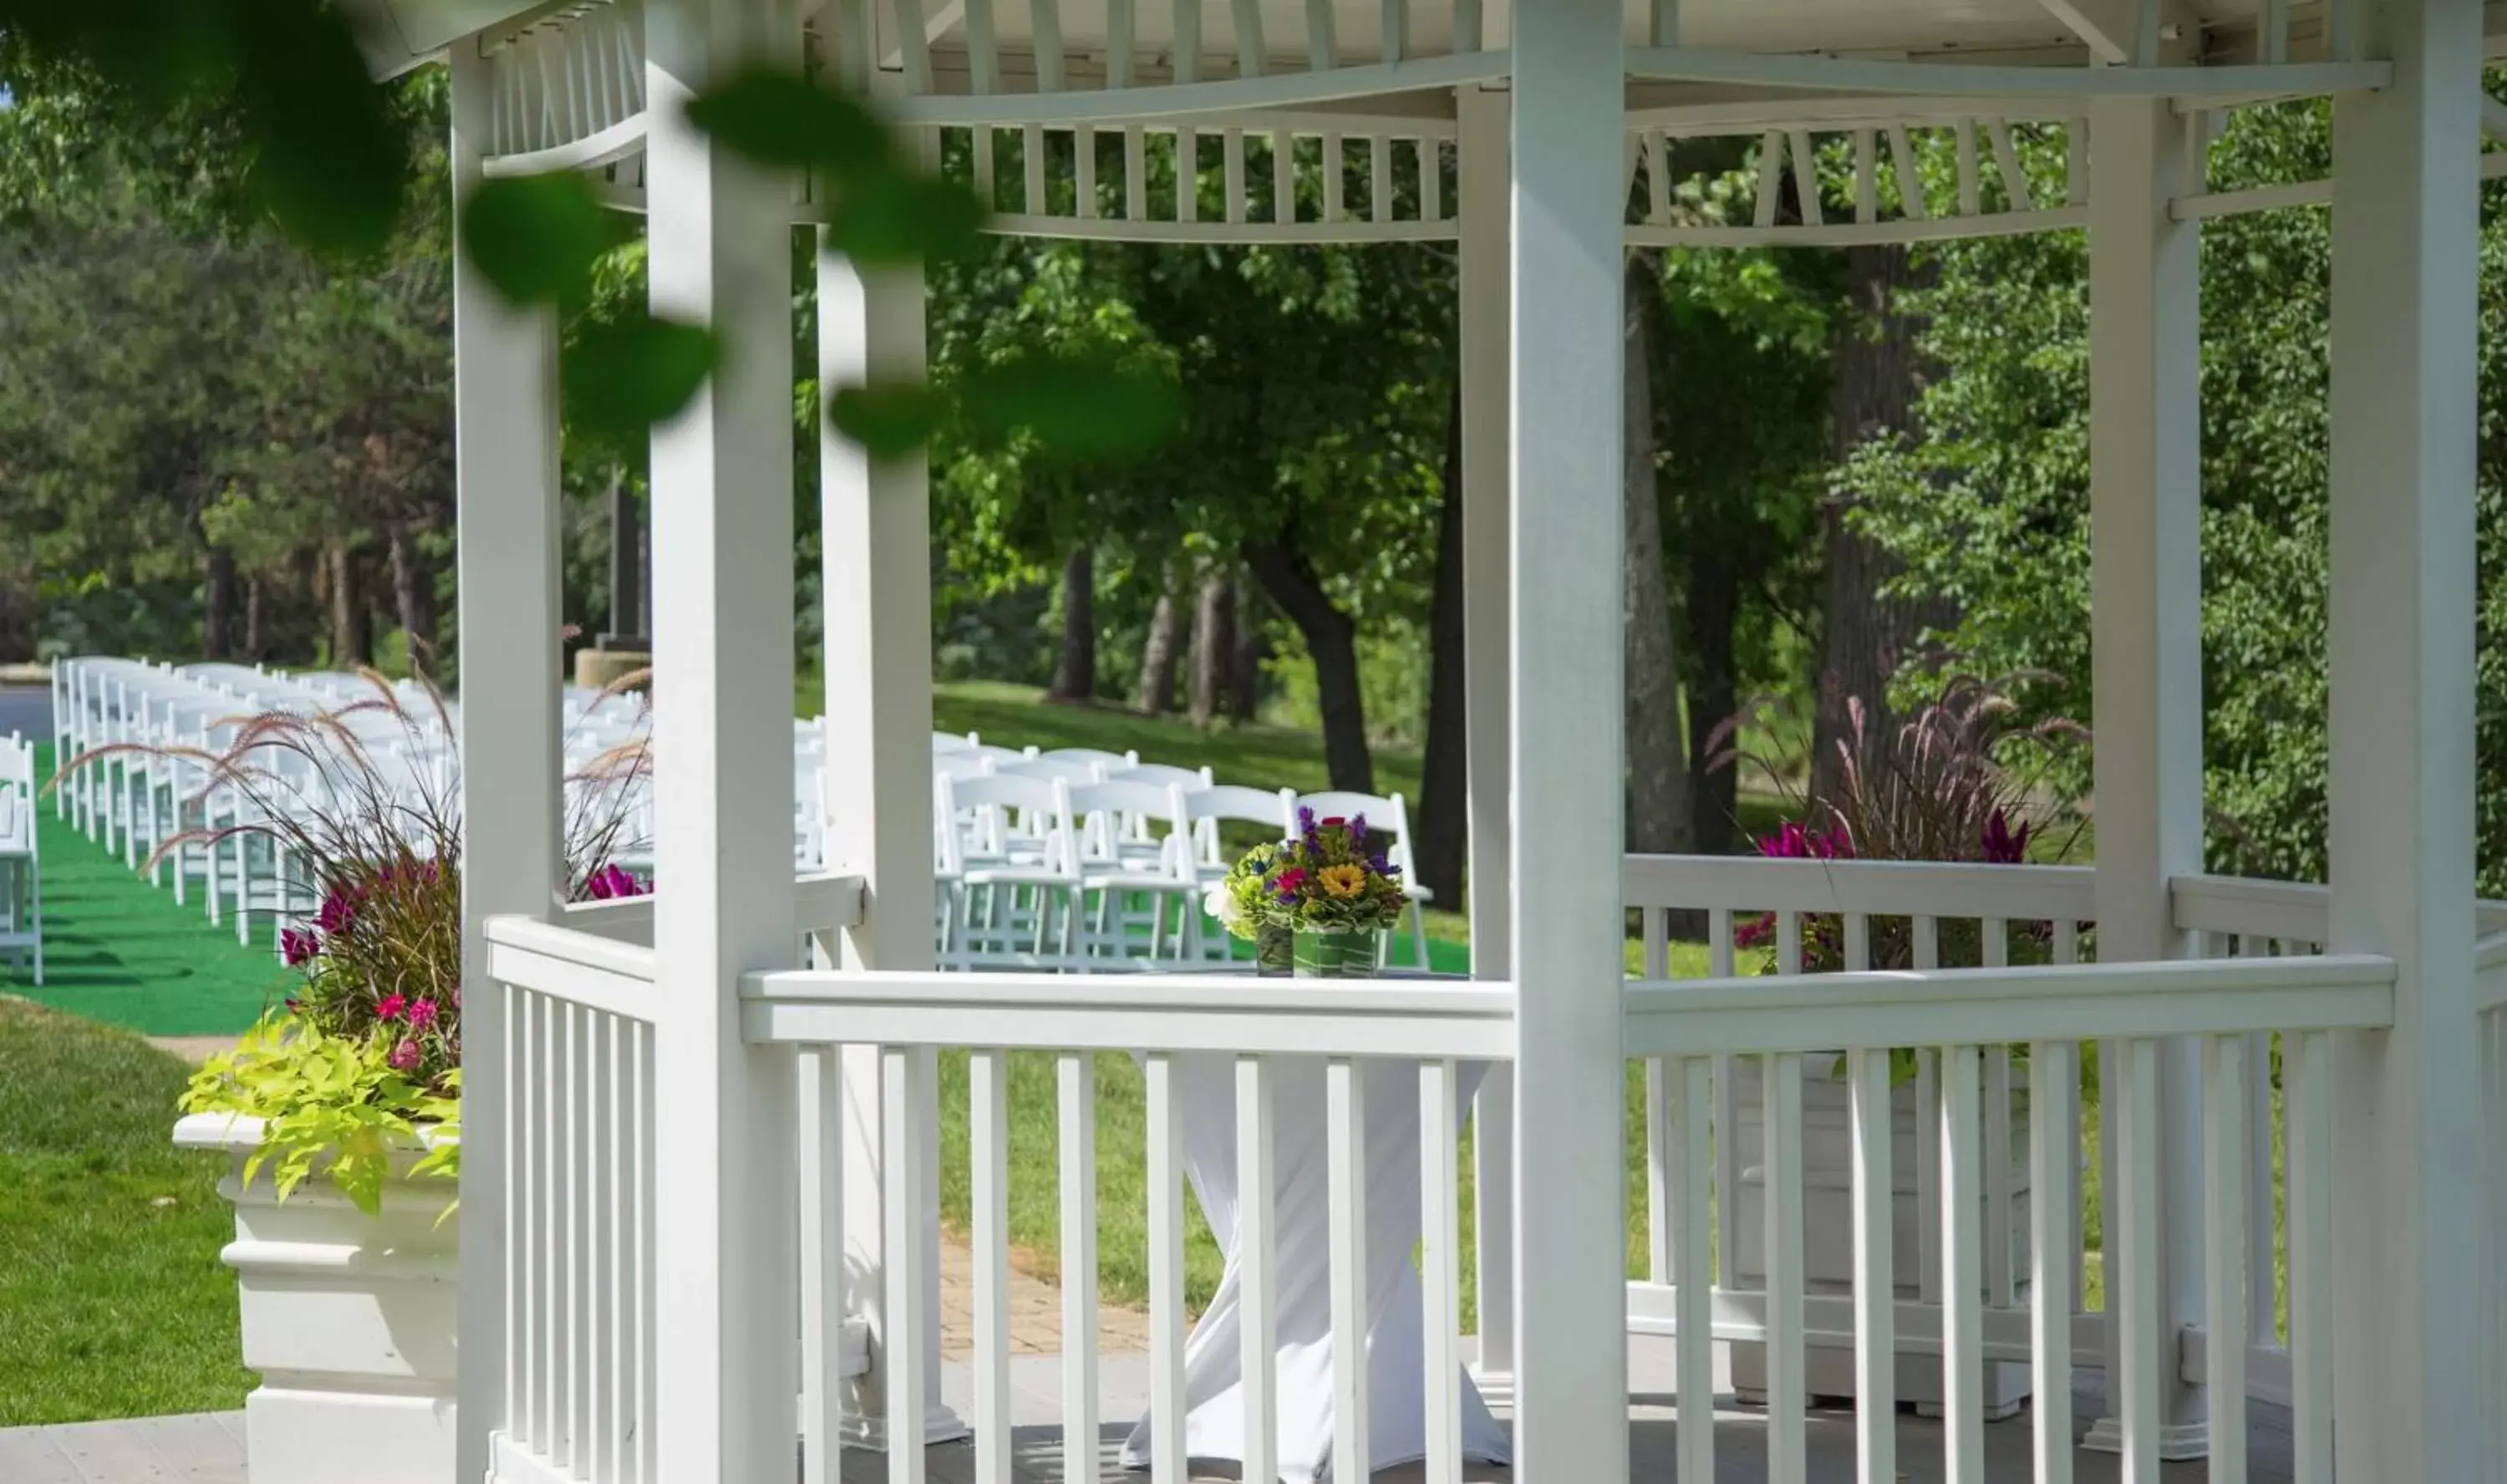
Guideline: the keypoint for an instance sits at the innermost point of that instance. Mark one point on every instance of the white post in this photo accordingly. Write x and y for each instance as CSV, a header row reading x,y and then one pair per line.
x,y
1571,1169
2411,1402
2146,666
726,1221
505,363
1483,210
877,582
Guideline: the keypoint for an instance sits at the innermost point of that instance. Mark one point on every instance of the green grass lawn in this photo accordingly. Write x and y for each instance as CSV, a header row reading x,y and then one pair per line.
x,y
119,951
113,1302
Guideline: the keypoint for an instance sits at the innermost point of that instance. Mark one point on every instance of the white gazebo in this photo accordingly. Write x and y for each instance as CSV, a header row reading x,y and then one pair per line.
x,y
700,1180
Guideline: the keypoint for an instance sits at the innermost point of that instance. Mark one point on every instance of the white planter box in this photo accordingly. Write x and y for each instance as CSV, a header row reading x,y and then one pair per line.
x,y
1828,1227
350,1319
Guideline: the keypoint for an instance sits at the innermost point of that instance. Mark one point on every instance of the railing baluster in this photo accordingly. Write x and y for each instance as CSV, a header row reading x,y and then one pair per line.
x,y
1805,177
1771,177
2054,1247
2306,1079
1789,944
989,1137
600,1055
1876,1279
1284,176
2263,1297
1693,1296
548,1321
1260,1282
1788,1378
1032,156
1661,1159
2223,1252
1657,153
1926,947
514,1008
901,1250
822,1153
1345,1137
1970,194
647,1278
1962,1216
2006,160
1335,178
1441,1271
1083,171
1187,171
1165,1158
1077,1078
1910,180
2134,1302
1866,175
1431,179
577,1255
1232,158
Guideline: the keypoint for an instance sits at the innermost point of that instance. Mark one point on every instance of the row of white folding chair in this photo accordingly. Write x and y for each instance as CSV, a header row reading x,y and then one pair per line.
x,y
21,886
1022,857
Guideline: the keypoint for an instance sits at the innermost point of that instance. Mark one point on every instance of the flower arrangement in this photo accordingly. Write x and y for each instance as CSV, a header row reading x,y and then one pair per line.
x,y
1328,880
361,1063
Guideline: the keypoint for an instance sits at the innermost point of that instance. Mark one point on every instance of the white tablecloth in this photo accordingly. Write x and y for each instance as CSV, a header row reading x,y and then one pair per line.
x,y
1396,1428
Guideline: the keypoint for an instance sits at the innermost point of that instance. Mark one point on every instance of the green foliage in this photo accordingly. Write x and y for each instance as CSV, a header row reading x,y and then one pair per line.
x,y
332,1105
1991,510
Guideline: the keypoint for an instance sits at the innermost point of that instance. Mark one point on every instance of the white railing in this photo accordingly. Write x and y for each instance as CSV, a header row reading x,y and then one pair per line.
x,y
1211,1042
1695,1030
2492,963
1859,915
578,1197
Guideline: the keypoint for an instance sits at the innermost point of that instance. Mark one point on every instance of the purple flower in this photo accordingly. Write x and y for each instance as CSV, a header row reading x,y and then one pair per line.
x,y
338,911
2003,845
611,883
298,947
404,1057
422,1015
1357,831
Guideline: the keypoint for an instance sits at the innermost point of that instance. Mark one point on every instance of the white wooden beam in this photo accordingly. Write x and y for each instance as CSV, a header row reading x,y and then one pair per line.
x,y
1483,220
877,663
2146,626
2413,1398
1571,1234
505,452
2104,26
726,1223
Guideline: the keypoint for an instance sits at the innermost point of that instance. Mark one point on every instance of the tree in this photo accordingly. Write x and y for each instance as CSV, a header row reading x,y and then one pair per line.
x,y
1162,649
1441,833
1867,634
1075,675
1659,817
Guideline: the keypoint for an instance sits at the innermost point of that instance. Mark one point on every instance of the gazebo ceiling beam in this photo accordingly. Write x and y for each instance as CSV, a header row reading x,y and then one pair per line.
x,y
1178,100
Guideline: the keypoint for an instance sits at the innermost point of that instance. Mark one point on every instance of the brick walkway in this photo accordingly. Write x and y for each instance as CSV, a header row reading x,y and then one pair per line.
x,y
1036,1312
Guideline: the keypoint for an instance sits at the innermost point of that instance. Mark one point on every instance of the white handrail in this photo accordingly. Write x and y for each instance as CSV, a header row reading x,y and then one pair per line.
x,y
1168,1012
2083,1002
2296,912
1876,888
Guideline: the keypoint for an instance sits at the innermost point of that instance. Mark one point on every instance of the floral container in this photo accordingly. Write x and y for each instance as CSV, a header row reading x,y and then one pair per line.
x,y
1275,950
348,1318
1344,954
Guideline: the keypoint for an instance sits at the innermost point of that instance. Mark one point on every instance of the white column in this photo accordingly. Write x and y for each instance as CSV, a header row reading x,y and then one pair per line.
x,y
505,455
1571,1169
1484,210
2410,1402
726,1224
2146,668
877,582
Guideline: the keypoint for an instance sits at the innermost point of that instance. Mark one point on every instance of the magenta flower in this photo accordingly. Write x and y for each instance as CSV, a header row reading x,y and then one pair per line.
x,y
611,883
298,947
404,1057
338,911
392,1007
422,1015
2003,845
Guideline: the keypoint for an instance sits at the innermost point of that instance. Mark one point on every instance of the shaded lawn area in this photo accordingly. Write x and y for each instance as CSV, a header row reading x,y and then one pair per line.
x,y
119,951
113,1302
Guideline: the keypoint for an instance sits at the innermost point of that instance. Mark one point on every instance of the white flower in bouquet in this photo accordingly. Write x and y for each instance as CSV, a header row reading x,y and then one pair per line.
x,y
1222,904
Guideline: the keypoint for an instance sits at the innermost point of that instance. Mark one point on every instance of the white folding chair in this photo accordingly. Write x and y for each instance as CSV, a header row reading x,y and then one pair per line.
x,y
21,886
1014,861
1204,811
1119,869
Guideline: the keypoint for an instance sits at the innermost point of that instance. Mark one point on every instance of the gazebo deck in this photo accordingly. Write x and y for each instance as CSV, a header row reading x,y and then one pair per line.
x,y
206,1448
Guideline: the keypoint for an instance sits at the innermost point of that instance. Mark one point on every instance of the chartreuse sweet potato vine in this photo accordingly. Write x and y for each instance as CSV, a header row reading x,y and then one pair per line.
x,y
332,1105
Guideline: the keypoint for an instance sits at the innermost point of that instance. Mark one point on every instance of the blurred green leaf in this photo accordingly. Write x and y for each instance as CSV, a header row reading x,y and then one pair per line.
x,y
330,161
1080,406
777,119
535,237
623,377
889,218
889,420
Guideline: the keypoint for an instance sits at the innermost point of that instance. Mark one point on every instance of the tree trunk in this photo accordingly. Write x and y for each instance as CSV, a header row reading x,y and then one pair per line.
x,y
218,606
1245,663
1332,639
1074,675
256,621
1659,819
352,640
1214,645
1866,637
414,597
1714,601
1441,830
1163,650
